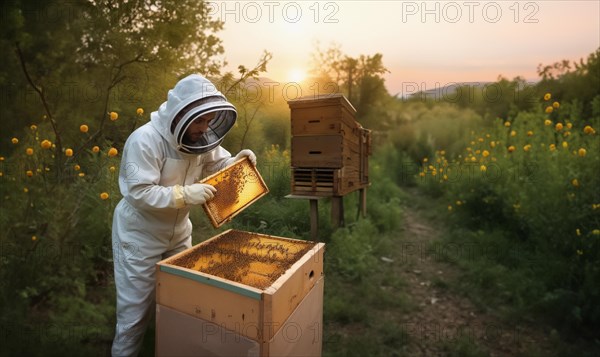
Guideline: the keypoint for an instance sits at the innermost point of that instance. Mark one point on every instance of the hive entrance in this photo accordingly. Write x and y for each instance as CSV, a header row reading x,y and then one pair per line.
x,y
237,186
248,258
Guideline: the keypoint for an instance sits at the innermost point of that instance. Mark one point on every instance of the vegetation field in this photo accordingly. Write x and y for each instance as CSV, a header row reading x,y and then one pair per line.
x,y
482,233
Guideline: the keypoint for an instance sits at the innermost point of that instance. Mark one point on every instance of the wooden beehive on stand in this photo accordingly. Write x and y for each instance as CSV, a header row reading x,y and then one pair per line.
x,y
330,149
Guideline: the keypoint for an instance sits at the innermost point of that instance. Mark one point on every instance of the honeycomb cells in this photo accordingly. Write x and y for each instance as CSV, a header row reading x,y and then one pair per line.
x,y
237,187
249,258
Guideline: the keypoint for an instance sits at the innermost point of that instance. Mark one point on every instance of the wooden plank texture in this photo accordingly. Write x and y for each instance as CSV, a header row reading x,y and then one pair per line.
x,y
323,151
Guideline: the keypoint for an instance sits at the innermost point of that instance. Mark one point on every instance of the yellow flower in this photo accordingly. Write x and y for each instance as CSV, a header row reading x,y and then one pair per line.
x,y
492,144
558,127
425,159
29,173
549,110
511,148
104,195
569,125
483,168
582,152
25,189
114,116
552,147
578,232
587,130
140,111
95,149
81,174
565,144
33,127
77,167
527,147
547,96
485,153
575,182
513,133
83,128
449,207
29,151
458,203
69,152
547,122
46,144
566,133
112,169
556,105
596,232
16,141
422,174
530,133
33,238
112,152
507,124
473,159
443,152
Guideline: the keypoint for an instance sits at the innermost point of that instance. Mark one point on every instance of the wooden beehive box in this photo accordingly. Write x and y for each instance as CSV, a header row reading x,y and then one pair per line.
x,y
242,284
330,149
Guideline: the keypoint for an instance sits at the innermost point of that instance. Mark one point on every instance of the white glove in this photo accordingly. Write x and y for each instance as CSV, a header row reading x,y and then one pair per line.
x,y
246,152
198,193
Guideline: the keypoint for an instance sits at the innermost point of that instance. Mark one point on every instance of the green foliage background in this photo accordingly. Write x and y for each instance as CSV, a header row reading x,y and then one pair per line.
x,y
90,59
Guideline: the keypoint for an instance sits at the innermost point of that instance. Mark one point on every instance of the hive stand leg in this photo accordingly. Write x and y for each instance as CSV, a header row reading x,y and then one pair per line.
x,y
362,202
337,211
314,219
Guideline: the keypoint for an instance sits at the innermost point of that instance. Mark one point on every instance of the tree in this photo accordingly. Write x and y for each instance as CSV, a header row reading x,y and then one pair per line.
x,y
360,78
90,58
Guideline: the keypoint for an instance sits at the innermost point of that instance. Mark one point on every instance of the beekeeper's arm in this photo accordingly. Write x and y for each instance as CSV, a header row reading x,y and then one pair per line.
x,y
141,175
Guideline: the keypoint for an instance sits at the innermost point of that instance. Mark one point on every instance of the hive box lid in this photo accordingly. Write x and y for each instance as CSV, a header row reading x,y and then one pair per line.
x,y
238,186
322,100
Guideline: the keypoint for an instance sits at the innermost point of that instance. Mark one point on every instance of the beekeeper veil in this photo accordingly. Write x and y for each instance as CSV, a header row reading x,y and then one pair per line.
x,y
191,98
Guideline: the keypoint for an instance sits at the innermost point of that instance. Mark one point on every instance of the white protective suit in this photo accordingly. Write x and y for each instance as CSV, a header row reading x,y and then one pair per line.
x,y
151,222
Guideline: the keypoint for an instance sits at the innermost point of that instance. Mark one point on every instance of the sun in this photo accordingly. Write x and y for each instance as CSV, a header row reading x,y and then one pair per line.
x,y
296,75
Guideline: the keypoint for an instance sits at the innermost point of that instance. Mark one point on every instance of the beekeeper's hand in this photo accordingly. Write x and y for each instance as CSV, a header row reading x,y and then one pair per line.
x,y
194,194
246,152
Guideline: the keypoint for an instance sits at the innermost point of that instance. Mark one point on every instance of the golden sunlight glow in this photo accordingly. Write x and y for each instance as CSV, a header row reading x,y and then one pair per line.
x,y
296,75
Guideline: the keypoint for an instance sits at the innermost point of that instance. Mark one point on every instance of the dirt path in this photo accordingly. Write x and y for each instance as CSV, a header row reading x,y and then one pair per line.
x,y
445,322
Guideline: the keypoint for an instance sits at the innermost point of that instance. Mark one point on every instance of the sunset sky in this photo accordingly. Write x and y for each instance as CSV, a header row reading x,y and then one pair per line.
x,y
422,43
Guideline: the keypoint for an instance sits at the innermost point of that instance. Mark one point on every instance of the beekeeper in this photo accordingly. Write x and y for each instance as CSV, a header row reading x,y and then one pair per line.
x,y
162,161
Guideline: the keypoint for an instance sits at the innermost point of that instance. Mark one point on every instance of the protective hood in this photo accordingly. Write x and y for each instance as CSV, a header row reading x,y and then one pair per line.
x,y
198,96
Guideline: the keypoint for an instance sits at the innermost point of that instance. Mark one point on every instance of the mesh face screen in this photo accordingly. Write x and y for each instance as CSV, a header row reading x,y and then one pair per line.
x,y
238,186
249,258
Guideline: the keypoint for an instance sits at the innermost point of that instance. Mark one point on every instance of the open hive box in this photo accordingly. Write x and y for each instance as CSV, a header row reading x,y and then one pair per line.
x,y
238,186
262,290
240,293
